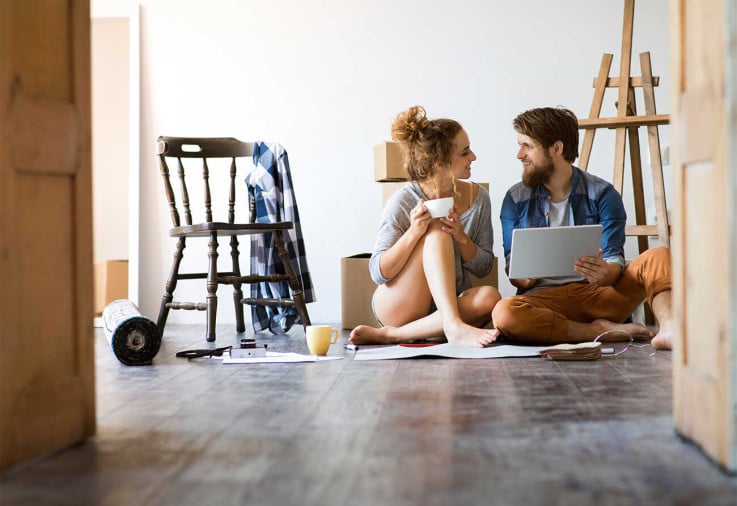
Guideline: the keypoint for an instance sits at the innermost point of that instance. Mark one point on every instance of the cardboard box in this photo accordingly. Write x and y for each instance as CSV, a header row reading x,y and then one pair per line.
x,y
357,288
491,279
111,283
388,162
388,188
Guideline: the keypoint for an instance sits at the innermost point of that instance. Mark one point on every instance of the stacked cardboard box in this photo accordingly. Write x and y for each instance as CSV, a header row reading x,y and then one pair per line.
x,y
357,287
388,163
111,283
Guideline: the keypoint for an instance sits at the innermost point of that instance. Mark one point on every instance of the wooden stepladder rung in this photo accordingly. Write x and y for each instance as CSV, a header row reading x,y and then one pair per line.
x,y
600,86
627,124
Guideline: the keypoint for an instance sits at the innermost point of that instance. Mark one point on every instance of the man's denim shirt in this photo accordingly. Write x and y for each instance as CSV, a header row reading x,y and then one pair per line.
x,y
592,200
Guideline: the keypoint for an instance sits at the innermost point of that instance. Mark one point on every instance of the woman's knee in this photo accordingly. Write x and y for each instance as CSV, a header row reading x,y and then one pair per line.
x,y
482,296
479,301
435,234
490,295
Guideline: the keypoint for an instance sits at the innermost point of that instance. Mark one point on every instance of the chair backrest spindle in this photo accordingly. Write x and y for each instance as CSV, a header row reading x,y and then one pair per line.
x,y
231,196
212,154
169,191
208,198
185,193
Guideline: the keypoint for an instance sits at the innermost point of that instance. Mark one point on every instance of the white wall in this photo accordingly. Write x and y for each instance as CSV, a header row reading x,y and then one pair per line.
x,y
110,149
326,79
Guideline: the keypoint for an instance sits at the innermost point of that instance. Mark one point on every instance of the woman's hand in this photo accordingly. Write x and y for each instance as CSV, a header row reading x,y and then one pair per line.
x,y
452,225
419,218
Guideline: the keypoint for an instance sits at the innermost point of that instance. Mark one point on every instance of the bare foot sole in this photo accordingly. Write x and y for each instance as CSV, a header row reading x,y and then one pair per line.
x,y
471,336
663,340
363,334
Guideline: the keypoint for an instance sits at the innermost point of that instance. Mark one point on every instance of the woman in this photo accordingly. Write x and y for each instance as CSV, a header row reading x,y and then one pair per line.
x,y
421,264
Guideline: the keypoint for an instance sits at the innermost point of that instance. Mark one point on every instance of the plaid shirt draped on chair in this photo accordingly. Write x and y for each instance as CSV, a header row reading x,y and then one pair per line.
x,y
270,185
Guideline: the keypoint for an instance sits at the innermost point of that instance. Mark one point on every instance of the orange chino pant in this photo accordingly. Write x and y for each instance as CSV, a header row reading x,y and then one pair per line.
x,y
542,317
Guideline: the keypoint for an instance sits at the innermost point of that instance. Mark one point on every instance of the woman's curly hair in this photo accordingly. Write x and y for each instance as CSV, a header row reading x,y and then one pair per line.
x,y
426,144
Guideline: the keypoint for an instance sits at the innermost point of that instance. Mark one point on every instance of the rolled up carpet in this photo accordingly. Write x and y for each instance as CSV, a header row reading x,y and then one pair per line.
x,y
134,338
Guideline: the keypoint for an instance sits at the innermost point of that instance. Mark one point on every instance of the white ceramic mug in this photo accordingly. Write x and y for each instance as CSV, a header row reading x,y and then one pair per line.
x,y
439,208
320,337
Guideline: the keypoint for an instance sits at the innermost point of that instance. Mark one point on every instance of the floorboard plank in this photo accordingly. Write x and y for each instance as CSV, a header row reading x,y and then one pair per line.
x,y
398,432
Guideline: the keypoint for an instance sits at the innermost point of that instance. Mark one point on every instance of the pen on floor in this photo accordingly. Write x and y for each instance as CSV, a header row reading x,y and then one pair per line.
x,y
351,347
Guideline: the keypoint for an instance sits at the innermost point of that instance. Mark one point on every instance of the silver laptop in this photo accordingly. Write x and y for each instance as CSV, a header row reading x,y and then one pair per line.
x,y
551,251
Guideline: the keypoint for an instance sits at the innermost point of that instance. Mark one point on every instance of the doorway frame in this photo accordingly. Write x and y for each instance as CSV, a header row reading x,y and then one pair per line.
x,y
131,12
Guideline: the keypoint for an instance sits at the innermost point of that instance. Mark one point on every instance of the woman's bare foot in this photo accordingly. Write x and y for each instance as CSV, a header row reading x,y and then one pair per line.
x,y
468,335
460,333
363,334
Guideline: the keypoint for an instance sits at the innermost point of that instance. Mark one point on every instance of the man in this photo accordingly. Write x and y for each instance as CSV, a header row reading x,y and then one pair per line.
x,y
553,193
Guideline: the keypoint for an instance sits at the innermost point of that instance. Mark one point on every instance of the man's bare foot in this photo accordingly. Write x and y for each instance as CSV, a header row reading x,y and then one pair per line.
x,y
621,331
468,335
663,340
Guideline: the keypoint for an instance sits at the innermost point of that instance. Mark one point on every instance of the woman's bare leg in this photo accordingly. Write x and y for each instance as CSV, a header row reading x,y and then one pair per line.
x,y
474,306
429,275
439,263
407,297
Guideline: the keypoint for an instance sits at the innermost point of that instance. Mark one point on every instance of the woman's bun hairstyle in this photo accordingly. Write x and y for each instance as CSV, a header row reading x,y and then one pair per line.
x,y
426,144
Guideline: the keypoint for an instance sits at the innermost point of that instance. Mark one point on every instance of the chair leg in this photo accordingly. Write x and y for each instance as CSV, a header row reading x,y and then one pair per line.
x,y
170,286
240,325
212,286
294,283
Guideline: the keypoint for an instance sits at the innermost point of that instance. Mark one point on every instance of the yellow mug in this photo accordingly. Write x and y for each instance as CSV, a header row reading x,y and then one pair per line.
x,y
320,337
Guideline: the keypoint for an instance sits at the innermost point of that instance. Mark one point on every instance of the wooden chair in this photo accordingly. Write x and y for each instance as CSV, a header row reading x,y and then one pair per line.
x,y
219,158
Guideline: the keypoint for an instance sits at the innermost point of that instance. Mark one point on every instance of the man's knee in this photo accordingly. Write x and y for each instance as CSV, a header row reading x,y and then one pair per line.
x,y
653,264
503,313
660,254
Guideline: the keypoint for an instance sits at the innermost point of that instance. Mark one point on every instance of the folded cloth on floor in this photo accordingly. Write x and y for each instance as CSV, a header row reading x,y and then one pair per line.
x,y
581,351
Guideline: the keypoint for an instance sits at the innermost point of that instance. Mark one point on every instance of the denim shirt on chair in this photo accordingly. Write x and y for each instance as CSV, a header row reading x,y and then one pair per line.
x,y
592,199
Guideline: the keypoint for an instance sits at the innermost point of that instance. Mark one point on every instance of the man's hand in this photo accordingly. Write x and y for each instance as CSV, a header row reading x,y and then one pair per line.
x,y
594,269
523,283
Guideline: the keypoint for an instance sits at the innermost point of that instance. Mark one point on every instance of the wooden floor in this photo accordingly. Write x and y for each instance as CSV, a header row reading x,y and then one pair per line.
x,y
522,431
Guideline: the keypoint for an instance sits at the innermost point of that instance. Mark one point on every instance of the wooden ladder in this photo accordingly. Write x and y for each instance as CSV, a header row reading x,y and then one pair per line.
x,y
627,124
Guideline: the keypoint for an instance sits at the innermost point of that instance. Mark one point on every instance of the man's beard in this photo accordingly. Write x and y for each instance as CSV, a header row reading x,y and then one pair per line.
x,y
539,175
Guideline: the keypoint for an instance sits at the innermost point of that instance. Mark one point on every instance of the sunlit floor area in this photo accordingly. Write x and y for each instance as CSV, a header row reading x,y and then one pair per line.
x,y
422,431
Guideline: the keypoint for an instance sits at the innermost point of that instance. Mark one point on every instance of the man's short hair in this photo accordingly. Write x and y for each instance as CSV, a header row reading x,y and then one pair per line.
x,y
550,124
